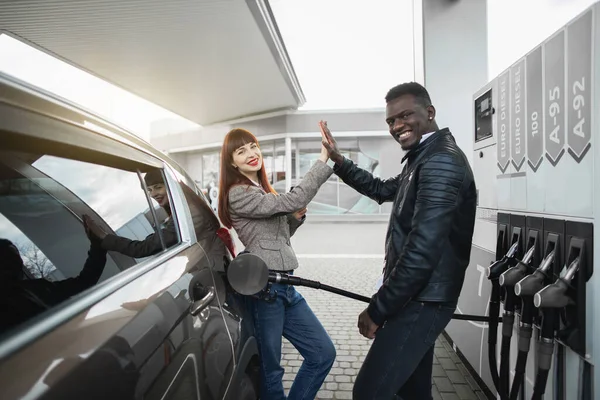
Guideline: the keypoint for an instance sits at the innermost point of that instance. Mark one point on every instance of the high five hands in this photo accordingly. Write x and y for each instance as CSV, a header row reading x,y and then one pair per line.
x,y
329,145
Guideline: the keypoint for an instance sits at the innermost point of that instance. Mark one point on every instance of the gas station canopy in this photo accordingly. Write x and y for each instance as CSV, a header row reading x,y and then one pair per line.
x,y
206,60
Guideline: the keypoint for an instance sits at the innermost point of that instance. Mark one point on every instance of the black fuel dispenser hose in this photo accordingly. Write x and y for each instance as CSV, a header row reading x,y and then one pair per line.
x,y
540,384
495,270
238,272
494,313
559,370
525,332
507,329
519,375
545,351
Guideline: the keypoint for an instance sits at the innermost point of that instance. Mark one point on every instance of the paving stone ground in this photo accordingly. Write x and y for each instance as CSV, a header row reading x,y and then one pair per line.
x,y
451,380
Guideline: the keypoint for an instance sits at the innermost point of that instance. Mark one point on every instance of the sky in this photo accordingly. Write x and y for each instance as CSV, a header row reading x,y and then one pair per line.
x,y
515,27
346,54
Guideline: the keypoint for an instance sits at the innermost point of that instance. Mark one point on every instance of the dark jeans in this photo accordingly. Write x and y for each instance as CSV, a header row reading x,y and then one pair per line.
x,y
287,314
400,360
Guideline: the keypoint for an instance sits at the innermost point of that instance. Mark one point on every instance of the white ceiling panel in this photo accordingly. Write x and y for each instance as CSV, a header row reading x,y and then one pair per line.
x,y
206,60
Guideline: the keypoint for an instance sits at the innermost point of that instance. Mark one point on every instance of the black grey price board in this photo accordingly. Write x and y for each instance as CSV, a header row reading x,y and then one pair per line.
x,y
535,112
503,121
518,125
554,93
579,86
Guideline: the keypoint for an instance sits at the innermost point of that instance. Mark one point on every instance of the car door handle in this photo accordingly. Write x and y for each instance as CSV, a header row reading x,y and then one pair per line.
x,y
199,305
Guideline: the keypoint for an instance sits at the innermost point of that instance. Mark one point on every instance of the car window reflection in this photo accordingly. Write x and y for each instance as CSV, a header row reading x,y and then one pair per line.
x,y
48,251
112,193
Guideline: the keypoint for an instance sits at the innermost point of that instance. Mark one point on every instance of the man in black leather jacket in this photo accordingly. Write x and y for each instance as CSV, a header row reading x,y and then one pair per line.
x,y
428,246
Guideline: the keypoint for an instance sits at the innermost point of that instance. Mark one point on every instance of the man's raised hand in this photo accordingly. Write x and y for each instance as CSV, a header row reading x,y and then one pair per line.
x,y
329,143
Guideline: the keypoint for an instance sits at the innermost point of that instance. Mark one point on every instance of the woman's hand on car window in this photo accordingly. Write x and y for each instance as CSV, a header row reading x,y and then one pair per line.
x,y
92,228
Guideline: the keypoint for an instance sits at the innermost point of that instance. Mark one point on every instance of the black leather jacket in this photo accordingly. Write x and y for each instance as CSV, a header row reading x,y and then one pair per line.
x,y
428,243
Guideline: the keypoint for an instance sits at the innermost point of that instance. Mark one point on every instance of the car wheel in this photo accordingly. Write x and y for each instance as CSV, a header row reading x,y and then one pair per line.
x,y
247,391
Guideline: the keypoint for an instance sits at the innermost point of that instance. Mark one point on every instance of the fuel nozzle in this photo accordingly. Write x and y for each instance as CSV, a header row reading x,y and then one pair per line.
x,y
531,284
555,295
514,274
496,269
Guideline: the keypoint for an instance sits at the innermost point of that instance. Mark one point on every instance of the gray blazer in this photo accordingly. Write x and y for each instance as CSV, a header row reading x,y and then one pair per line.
x,y
264,221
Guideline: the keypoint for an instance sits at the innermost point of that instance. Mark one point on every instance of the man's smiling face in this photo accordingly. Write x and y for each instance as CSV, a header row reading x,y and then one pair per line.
x,y
408,120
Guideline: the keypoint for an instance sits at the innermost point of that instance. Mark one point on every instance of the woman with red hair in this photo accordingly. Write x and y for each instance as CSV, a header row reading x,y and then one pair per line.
x,y
264,222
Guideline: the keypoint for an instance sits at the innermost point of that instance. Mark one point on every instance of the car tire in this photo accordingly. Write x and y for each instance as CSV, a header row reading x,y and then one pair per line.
x,y
247,390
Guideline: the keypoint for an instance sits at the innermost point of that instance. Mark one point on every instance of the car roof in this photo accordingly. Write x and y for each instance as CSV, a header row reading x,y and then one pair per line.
x,y
19,93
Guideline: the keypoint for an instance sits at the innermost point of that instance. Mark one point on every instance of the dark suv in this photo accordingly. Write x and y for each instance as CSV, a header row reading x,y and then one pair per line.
x,y
84,318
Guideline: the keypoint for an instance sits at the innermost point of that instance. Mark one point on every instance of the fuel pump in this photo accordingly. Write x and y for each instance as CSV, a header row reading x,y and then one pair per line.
x,y
535,158
550,300
508,280
555,295
508,316
493,274
565,299
527,288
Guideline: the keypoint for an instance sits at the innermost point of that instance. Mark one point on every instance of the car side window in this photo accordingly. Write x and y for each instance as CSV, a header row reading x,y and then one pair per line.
x,y
114,194
118,198
47,253
205,223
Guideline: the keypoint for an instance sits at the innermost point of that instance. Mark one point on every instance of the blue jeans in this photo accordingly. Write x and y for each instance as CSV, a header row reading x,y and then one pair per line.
x,y
287,314
400,360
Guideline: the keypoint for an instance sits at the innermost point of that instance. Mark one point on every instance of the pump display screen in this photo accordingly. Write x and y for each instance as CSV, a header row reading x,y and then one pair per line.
x,y
484,104
483,116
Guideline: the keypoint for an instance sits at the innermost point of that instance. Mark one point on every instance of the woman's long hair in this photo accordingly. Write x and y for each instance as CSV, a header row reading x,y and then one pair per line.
x,y
230,176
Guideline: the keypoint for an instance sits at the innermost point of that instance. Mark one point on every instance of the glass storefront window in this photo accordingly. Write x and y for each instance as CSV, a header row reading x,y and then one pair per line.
x,y
267,149
211,164
334,197
279,167
210,169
